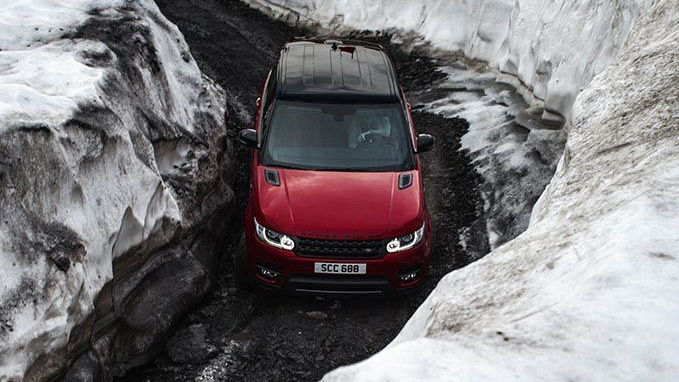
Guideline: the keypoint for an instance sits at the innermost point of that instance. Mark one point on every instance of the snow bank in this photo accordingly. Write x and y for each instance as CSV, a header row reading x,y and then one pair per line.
x,y
93,94
511,147
554,48
588,292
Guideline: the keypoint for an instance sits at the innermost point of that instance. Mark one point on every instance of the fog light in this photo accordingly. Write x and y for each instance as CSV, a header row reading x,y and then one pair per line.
x,y
268,273
408,276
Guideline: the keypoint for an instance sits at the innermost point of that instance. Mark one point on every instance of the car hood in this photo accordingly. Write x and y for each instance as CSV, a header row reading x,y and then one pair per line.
x,y
339,205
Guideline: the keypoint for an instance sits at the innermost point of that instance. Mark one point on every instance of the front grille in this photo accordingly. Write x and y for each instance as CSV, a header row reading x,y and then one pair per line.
x,y
347,249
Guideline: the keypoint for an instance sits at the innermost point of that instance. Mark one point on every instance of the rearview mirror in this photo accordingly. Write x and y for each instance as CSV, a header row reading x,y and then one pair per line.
x,y
424,143
248,137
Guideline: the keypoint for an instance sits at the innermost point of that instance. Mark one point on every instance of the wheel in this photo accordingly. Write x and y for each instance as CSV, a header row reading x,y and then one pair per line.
x,y
241,275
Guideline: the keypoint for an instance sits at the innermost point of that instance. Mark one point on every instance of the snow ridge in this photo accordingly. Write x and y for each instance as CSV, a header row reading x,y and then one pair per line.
x,y
588,291
554,48
81,128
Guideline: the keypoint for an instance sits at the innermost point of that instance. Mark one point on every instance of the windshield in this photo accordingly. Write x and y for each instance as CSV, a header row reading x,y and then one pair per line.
x,y
337,137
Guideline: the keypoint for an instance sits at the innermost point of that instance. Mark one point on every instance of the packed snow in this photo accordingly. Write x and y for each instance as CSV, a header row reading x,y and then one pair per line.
x,y
511,147
45,83
554,48
588,291
79,180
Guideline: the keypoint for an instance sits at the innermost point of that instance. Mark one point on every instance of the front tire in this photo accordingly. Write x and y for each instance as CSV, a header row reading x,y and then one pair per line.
x,y
241,274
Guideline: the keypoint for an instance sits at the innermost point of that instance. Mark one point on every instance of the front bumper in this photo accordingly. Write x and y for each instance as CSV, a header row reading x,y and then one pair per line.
x,y
296,274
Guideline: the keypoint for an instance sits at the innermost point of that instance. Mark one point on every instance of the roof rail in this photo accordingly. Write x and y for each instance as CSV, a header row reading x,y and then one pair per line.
x,y
340,41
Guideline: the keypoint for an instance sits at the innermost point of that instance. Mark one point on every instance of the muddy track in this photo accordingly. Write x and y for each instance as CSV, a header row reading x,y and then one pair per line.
x,y
238,336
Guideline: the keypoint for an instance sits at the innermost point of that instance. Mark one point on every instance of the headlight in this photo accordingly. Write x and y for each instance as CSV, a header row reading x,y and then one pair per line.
x,y
406,242
274,238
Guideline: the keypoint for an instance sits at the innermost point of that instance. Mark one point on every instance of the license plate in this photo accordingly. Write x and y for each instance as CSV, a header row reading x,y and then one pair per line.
x,y
340,268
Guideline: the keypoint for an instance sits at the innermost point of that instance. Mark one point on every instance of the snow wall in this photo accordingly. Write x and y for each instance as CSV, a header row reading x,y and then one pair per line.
x,y
112,145
588,292
553,48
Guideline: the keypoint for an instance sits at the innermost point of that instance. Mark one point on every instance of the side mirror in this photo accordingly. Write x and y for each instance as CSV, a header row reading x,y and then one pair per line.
x,y
248,137
424,143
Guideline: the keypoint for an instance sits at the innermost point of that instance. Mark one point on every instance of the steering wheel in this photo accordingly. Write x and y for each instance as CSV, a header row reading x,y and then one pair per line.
x,y
370,138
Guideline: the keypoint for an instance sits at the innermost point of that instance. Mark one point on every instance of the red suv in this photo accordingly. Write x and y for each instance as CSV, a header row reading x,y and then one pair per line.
x,y
337,202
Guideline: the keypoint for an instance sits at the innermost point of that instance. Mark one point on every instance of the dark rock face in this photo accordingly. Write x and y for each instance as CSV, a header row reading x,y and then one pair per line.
x,y
84,369
155,304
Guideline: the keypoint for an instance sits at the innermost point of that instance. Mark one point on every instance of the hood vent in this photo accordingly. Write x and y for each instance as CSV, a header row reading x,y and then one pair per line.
x,y
272,177
405,180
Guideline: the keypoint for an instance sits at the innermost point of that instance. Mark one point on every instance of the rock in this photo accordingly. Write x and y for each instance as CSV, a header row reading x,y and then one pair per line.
x,y
190,345
85,369
164,294
160,299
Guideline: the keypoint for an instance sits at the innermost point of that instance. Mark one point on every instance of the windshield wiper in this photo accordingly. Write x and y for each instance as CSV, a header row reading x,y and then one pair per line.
x,y
287,167
336,169
342,169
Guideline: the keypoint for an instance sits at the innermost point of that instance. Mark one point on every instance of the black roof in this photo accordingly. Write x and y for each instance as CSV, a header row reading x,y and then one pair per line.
x,y
336,71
